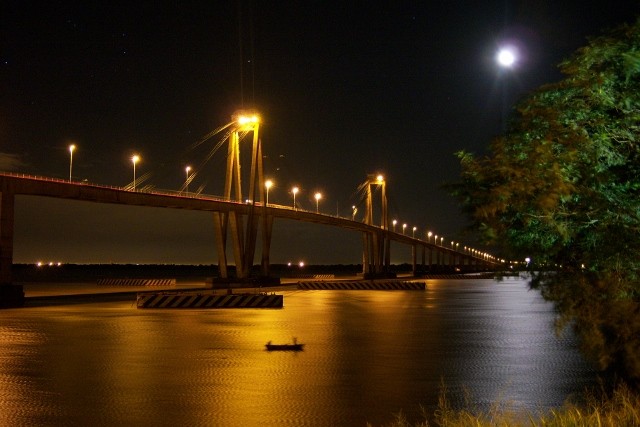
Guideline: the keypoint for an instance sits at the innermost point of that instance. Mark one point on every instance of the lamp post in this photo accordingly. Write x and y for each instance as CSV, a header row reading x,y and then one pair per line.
x,y
134,159
441,240
404,227
317,196
268,184
294,191
72,148
186,183
429,234
394,222
354,210
413,235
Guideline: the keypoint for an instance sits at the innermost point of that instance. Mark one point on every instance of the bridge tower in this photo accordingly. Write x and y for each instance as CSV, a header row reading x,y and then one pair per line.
x,y
243,231
376,254
11,294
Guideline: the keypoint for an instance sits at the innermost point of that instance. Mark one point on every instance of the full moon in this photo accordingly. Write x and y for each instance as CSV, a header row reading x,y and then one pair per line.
x,y
506,57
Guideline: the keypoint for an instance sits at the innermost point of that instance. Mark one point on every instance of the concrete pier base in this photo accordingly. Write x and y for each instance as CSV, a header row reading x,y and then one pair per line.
x,y
11,296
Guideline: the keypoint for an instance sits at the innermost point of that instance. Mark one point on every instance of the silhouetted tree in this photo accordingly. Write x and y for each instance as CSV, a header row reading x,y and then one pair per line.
x,y
562,186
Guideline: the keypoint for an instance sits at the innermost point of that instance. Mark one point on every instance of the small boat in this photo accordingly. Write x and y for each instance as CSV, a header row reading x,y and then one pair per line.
x,y
285,347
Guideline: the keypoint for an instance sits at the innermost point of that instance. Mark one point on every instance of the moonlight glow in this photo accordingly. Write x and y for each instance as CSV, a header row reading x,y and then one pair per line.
x,y
506,57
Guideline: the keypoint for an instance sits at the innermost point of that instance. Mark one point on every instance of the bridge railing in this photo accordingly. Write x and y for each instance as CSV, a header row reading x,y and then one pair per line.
x,y
200,196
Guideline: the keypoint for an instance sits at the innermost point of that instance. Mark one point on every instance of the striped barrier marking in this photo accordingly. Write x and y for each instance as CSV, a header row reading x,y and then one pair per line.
x,y
136,282
209,301
362,286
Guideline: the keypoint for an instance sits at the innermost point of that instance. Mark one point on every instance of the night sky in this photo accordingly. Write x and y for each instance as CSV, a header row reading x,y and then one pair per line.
x,y
345,89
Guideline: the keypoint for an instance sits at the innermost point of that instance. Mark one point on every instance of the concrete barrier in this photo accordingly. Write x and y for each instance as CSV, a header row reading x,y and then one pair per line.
x,y
364,286
182,300
136,282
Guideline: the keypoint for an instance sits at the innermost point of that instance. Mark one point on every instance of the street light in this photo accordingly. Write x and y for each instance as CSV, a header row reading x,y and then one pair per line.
x,y
134,159
294,191
72,147
186,183
353,213
429,234
317,196
268,184
404,227
394,222
413,235
441,240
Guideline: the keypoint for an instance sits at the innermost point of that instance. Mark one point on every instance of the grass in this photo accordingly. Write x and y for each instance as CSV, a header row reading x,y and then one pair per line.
x,y
616,409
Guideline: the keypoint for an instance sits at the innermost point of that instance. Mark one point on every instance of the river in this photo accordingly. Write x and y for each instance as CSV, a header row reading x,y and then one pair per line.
x,y
368,355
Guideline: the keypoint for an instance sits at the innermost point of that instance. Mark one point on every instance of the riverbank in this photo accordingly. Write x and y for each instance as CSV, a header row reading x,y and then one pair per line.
x,y
618,408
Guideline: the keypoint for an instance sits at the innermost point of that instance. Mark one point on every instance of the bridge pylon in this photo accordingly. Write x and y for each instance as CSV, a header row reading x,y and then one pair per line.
x,y
243,231
376,252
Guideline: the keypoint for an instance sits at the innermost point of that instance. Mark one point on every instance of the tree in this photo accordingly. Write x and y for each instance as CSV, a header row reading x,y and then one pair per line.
x,y
562,186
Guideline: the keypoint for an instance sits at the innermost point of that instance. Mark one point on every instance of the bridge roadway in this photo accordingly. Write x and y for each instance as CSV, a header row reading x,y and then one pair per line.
x,y
14,184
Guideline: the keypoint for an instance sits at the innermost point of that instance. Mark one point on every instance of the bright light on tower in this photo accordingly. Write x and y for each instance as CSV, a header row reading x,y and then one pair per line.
x,y
243,120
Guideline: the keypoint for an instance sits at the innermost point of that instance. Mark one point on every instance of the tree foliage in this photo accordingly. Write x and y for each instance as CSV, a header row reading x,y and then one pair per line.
x,y
562,186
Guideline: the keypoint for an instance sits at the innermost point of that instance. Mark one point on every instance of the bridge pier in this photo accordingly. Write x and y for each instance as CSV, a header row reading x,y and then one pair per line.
x,y
243,228
414,257
11,295
376,253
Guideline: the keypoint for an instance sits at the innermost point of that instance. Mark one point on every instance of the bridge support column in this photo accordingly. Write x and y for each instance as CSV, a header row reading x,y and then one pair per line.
x,y
266,243
244,226
376,256
414,257
373,254
236,226
10,295
220,233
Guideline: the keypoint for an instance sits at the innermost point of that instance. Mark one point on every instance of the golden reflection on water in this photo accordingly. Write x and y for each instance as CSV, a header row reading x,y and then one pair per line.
x,y
16,391
368,354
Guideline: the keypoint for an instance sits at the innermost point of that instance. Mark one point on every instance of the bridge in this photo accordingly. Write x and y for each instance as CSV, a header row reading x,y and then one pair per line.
x,y
235,218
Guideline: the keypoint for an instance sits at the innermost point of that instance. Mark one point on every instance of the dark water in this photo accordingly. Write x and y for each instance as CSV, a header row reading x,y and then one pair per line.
x,y
368,355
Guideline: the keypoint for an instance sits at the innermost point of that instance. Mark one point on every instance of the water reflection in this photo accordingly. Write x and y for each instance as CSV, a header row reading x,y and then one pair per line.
x,y
368,354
